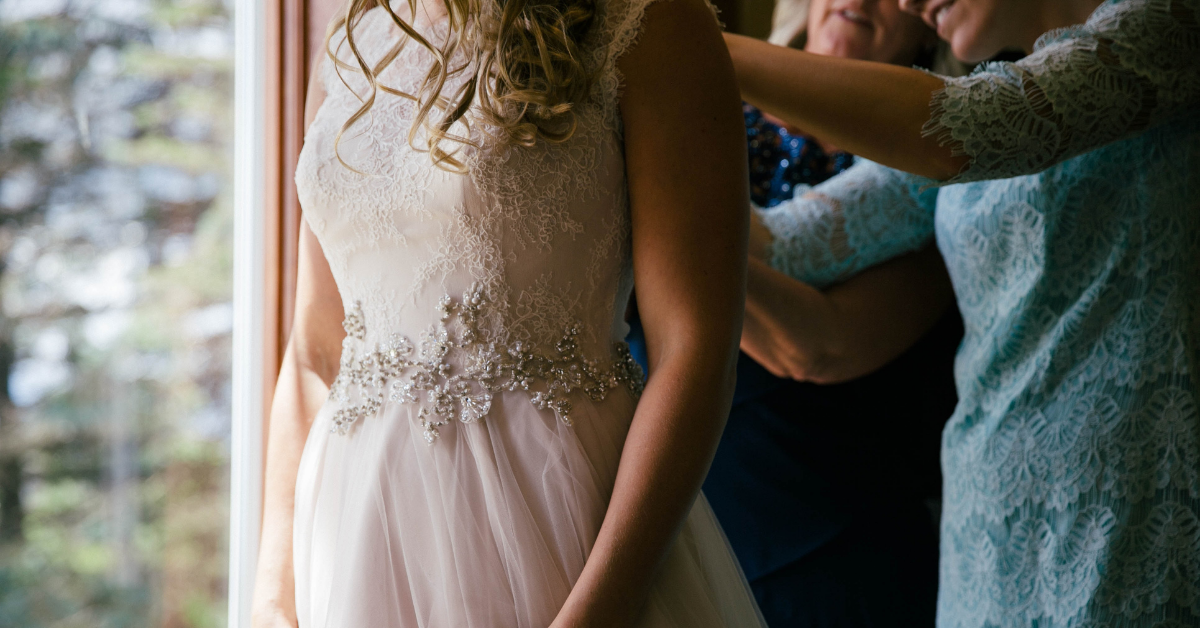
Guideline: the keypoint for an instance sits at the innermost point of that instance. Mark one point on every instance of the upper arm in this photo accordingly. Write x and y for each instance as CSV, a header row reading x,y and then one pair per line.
x,y
1135,64
316,87
316,339
317,333
685,159
863,216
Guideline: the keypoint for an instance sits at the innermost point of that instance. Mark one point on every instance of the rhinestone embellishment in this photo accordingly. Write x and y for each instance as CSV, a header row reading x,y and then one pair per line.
x,y
425,374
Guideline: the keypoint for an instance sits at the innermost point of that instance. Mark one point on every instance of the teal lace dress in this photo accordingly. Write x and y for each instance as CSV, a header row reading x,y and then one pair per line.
x,y
1072,462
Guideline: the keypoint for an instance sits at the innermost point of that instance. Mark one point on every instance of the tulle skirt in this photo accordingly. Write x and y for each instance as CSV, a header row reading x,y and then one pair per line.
x,y
488,527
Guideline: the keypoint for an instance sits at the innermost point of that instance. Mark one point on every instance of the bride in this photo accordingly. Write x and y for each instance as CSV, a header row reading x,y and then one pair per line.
x,y
457,439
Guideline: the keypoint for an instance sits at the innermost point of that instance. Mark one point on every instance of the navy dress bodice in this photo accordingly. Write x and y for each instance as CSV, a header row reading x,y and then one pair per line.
x,y
800,464
780,160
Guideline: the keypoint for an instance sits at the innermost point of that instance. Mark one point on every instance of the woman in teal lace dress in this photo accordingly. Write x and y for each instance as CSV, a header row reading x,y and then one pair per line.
x,y
1063,191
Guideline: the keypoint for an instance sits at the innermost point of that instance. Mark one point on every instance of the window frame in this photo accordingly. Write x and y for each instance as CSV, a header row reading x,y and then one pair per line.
x,y
249,300
271,71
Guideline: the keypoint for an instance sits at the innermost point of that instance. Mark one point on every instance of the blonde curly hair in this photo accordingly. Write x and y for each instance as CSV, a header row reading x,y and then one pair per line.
x,y
525,65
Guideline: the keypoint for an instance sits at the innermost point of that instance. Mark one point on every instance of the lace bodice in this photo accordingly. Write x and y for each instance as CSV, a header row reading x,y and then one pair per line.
x,y
1134,64
1072,463
511,276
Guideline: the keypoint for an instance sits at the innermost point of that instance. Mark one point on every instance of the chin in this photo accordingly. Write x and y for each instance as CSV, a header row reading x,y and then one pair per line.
x,y
966,47
844,48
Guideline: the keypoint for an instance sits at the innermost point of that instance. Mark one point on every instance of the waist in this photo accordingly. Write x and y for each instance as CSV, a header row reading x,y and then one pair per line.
x,y
453,369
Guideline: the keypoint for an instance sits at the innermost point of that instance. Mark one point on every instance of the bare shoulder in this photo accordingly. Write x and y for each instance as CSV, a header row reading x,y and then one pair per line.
x,y
684,138
680,38
679,74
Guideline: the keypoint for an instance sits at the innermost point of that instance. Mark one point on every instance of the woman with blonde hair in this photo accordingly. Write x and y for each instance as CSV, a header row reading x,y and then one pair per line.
x,y
459,437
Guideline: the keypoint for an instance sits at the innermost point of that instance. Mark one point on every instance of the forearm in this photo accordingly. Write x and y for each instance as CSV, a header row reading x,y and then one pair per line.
x,y
666,456
862,217
888,308
685,156
299,394
790,327
875,110
848,330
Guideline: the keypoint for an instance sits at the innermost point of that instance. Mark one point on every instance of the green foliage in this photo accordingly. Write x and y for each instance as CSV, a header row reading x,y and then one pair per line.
x,y
114,290
7,71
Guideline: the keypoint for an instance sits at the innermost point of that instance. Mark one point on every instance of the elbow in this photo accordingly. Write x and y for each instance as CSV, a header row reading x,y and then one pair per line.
x,y
723,378
707,364
319,359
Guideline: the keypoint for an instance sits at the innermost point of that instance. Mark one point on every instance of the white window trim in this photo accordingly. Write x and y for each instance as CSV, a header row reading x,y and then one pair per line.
x,y
246,448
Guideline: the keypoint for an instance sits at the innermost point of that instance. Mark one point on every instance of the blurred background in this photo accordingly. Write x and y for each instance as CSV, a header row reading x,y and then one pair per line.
x,y
115,313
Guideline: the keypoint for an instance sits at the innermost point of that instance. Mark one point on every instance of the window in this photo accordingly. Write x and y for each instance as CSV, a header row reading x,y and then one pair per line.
x,y
116,311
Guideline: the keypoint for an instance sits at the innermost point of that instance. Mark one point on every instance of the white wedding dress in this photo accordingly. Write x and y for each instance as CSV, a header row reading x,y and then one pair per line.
x,y
458,474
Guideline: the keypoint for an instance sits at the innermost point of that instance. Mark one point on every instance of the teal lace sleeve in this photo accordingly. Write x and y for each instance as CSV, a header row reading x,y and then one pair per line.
x,y
863,216
1133,65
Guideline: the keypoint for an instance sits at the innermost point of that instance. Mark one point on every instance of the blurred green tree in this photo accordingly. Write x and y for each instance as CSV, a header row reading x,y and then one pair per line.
x,y
115,314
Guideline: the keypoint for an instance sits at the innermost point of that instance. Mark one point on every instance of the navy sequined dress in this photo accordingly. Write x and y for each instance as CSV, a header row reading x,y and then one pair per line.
x,y
823,490
780,160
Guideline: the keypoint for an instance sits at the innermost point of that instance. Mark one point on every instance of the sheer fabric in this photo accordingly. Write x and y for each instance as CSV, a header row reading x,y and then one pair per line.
x,y
461,468
1133,65
864,216
1072,463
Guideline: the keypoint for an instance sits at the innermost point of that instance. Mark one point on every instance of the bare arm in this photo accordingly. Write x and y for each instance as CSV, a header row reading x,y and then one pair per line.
x,y
875,110
310,363
685,155
1110,78
847,330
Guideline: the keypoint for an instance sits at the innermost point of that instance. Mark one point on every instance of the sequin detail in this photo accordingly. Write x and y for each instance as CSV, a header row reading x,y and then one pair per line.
x,y
781,163
427,374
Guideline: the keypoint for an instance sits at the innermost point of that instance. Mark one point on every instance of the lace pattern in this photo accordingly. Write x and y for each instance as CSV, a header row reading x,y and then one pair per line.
x,y
484,313
1072,463
453,374
864,216
1134,64
537,239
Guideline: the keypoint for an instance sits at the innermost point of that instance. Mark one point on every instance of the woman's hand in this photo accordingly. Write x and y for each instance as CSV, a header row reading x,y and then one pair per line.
x,y
796,331
788,326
